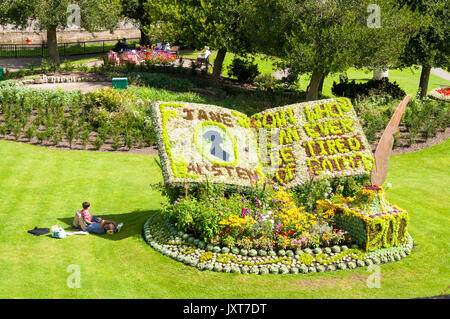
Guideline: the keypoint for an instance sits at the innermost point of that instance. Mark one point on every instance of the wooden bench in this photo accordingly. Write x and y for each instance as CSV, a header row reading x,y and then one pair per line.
x,y
175,50
205,62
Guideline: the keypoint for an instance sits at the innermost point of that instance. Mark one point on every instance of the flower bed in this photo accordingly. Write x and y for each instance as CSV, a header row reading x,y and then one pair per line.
x,y
287,144
142,56
165,238
266,193
371,221
267,220
440,94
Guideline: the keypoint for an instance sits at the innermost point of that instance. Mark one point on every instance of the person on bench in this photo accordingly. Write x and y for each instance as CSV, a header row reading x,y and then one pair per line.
x,y
204,57
120,46
166,47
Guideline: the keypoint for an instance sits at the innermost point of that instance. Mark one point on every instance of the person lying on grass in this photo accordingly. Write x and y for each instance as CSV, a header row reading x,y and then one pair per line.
x,y
97,225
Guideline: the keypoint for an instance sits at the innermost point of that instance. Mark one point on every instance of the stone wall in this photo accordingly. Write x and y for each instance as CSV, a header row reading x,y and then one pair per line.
x,y
61,78
10,34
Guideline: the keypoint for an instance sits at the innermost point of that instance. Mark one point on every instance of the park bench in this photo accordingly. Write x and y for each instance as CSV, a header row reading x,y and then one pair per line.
x,y
176,51
205,62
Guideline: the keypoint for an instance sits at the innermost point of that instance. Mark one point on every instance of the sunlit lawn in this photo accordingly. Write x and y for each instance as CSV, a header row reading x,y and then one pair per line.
x,y
43,187
408,78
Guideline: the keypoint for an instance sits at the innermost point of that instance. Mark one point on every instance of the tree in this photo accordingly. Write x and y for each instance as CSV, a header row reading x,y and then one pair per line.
x,y
134,9
53,15
197,23
320,37
429,48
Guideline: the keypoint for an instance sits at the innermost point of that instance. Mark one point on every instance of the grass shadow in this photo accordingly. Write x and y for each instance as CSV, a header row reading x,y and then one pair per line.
x,y
133,223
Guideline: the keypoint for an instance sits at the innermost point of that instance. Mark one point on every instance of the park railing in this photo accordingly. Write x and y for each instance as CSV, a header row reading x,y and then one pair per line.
x,y
64,48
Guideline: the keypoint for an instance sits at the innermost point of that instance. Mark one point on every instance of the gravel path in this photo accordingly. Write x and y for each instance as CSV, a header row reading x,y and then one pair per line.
x,y
14,65
441,73
82,86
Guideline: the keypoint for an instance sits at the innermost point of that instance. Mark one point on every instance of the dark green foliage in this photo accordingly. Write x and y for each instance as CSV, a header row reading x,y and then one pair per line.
x,y
307,195
54,116
355,226
374,113
429,47
245,70
160,81
427,115
354,90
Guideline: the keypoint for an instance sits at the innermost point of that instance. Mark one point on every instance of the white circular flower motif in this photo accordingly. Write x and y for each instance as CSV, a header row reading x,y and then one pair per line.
x,y
440,93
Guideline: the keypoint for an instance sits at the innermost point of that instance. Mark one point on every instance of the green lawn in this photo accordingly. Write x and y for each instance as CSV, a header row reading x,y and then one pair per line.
x,y
42,187
408,79
265,64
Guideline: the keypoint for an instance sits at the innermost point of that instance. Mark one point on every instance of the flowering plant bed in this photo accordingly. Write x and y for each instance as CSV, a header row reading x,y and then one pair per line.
x,y
440,94
273,192
165,238
371,220
287,145
269,221
141,56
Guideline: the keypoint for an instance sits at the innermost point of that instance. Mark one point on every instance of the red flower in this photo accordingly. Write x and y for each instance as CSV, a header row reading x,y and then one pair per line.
x,y
227,229
291,232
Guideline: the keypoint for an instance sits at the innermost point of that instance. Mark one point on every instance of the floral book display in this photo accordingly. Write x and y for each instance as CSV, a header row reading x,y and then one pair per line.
x,y
293,189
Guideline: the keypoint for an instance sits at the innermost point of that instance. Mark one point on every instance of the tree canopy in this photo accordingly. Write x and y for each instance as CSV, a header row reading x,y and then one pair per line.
x,y
321,37
430,46
52,15
196,23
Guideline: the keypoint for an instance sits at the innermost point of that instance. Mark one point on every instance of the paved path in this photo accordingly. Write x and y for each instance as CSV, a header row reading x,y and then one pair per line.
x,y
82,86
441,73
13,64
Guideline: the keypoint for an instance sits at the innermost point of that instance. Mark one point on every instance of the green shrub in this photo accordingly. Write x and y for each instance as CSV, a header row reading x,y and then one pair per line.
x,y
354,90
426,114
245,70
161,81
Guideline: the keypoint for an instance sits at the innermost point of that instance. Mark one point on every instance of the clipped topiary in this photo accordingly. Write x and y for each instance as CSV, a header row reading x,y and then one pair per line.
x,y
262,252
252,253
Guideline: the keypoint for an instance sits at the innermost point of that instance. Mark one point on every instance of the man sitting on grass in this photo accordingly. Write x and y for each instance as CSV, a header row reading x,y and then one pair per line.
x,y
97,225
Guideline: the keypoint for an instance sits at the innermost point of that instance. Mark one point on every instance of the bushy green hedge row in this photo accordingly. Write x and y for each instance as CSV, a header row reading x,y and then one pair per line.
x,y
421,115
160,81
54,116
355,90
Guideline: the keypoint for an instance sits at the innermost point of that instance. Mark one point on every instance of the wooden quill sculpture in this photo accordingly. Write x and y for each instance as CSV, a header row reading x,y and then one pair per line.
x,y
384,148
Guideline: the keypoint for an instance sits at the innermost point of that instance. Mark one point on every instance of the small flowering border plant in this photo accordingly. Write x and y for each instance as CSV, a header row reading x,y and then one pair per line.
x,y
440,94
291,217
141,56
160,234
264,231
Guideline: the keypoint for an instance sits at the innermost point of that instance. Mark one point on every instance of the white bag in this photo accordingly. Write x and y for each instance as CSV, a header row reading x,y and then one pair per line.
x,y
58,232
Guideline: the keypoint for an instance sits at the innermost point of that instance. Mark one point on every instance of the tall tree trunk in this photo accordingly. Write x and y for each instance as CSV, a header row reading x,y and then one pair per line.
x,y
424,78
320,88
218,63
145,39
313,92
52,45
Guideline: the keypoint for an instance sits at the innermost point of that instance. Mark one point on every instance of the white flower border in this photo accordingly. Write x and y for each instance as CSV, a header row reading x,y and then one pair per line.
x,y
436,95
